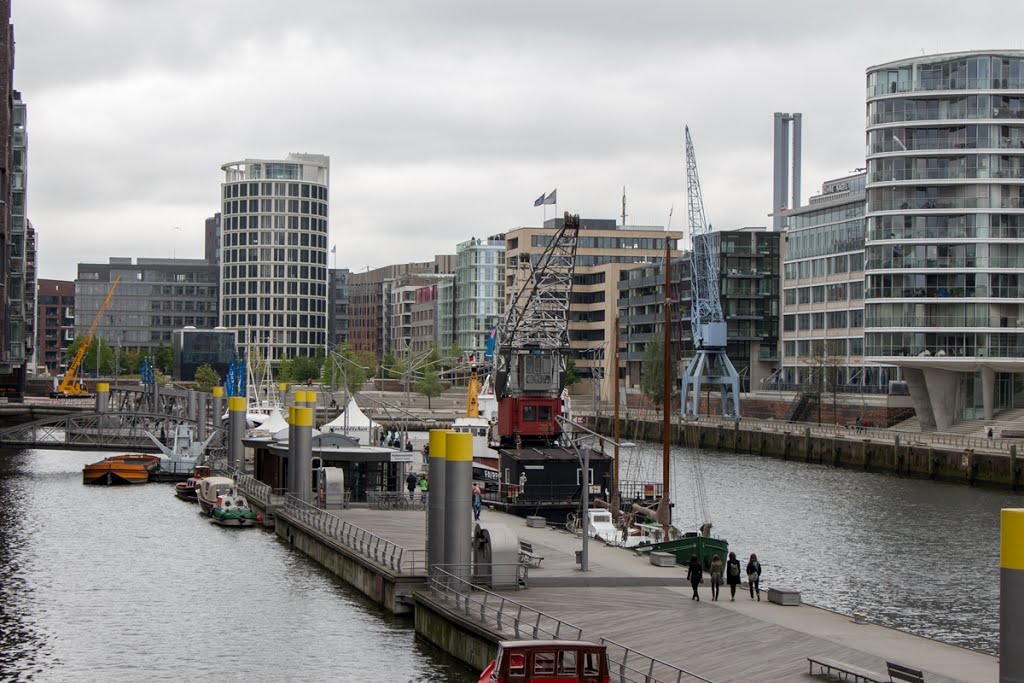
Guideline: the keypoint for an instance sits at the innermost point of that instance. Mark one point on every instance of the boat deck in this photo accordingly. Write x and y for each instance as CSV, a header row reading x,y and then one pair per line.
x,y
625,598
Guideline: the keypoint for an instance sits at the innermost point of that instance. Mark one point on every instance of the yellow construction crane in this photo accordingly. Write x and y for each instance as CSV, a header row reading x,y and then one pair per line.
x,y
72,384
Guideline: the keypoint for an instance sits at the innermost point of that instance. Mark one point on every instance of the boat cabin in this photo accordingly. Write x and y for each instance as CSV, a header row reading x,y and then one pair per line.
x,y
547,661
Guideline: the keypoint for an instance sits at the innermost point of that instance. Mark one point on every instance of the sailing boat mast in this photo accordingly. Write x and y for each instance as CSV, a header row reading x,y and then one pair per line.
x,y
664,509
615,424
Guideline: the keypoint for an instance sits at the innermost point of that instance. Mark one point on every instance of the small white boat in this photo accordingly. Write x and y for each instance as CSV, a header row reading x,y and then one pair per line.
x,y
210,489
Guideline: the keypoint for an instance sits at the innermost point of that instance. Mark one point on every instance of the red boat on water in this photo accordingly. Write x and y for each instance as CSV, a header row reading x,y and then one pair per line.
x,y
188,490
548,661
131,468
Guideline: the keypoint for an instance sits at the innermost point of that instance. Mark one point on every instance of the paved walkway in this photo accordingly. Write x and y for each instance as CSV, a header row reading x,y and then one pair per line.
x,y
723,641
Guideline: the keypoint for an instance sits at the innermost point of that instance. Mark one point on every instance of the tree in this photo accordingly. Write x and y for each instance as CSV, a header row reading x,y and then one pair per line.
x,y
429,384
572,374
206,378
163,358
345,367
106,356
300,368
652,381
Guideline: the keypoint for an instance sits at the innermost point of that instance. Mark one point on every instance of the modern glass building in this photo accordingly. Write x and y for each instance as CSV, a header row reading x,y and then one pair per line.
x,y
479,291
274,254
944,285
194,348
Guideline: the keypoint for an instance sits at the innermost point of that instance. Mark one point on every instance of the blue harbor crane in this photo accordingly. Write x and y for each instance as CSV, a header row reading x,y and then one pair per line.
x,y
710,364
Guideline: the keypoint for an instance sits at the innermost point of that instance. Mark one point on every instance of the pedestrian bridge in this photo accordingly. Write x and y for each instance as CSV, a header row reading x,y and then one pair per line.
x,y
100,431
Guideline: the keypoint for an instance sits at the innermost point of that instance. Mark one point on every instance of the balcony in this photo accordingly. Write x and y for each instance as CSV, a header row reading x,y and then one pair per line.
x,y
932,85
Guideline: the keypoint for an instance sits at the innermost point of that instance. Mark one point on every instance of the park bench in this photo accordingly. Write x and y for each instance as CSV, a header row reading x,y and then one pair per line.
x,y
899,672
844,671
527,556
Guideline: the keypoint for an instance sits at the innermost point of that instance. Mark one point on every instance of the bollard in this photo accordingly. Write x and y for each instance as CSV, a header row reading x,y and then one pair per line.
x,y
458,503
1011,596
435,511
102,397
304,453
236,430
292,472
218,407
201,417
192,411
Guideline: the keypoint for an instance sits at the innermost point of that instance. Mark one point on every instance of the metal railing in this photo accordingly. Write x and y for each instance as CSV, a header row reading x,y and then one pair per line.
x,y
505,614
880,435
366,543
626,665
253,488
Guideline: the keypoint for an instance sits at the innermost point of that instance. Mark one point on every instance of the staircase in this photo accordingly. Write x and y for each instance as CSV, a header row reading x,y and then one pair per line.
x,y
1008,419
799,408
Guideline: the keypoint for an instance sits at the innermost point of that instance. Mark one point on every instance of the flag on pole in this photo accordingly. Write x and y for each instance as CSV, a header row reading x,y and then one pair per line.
x,y
334,249
539,200
552,198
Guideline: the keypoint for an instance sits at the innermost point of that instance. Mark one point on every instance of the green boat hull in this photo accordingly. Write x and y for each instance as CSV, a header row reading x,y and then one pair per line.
x,y
704,548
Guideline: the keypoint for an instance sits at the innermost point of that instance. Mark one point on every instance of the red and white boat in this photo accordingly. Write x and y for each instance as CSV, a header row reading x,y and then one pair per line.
x,y
548,661
210,489
189,489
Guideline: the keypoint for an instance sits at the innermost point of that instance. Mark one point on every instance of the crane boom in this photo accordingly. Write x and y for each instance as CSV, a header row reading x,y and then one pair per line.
x,y
710,363
72,385
530,358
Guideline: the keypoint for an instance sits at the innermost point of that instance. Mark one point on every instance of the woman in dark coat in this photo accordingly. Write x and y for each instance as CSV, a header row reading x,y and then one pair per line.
x,y
732,575
694,574
754,576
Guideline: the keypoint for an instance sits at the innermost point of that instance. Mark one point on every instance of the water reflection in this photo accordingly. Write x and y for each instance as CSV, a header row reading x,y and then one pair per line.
x,y
920,556
116,583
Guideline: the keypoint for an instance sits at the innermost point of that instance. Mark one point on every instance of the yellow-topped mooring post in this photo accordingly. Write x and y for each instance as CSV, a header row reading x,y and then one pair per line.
x,y
218,407
1011,596
458,504
102,397
303,418
435,488
236,430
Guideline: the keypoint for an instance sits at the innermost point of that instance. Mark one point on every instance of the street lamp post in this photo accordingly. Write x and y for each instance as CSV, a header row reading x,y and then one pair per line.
x,y
584,459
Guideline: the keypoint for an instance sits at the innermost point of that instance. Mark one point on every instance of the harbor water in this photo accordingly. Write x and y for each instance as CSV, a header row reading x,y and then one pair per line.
x,y
919,556
129,584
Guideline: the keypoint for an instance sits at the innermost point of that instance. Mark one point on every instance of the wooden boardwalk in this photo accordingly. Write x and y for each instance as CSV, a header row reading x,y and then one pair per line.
x,y
723,641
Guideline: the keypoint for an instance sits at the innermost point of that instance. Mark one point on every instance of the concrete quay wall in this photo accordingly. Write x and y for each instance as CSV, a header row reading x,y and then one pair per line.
x,y
901,456
460,637
391,591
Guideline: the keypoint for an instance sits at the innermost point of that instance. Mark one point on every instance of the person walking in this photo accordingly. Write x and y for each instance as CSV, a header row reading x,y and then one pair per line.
x,y
732,575
695,575
754,577
423,489
716,577
411,481
477,502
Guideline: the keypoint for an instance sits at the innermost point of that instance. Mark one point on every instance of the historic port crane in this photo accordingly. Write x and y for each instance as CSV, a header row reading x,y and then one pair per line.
x,y
533,340
710,363
72,384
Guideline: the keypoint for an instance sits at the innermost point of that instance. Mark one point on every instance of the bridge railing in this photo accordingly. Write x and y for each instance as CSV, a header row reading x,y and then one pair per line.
x,y
493,609
366,543
253,488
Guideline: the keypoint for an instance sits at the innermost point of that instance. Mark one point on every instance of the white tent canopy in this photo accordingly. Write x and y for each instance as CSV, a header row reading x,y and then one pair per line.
x,y
359,426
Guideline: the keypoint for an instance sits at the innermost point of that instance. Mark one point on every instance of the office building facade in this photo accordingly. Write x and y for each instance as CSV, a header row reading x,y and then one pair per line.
x,y
944,291
154,298
337,306
274,227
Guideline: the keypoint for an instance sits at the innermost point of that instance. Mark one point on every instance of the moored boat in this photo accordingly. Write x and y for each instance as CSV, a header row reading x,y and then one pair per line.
x,y
232,509
212,488
189,489
526,661
130,468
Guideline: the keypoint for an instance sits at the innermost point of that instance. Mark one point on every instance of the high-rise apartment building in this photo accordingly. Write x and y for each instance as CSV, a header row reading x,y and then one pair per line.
x,y
20,282
823,294
479,291
944,294
8,357
55,323
274,254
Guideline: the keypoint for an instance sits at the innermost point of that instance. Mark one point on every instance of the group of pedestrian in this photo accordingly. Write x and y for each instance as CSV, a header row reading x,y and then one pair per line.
x,y
731,572
414,482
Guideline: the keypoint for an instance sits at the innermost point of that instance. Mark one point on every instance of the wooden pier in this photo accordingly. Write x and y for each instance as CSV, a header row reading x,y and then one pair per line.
x,y
625,599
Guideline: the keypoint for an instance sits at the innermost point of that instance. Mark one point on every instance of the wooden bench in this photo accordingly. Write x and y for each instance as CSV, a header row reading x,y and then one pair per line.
x,y
898,672
843,671
527,556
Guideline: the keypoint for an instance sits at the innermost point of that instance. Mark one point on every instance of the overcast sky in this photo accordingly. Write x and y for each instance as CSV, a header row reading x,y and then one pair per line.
x,y
443,119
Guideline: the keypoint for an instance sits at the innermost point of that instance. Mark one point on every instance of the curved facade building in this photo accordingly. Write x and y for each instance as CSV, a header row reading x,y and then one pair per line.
x,y
273,287
944,259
